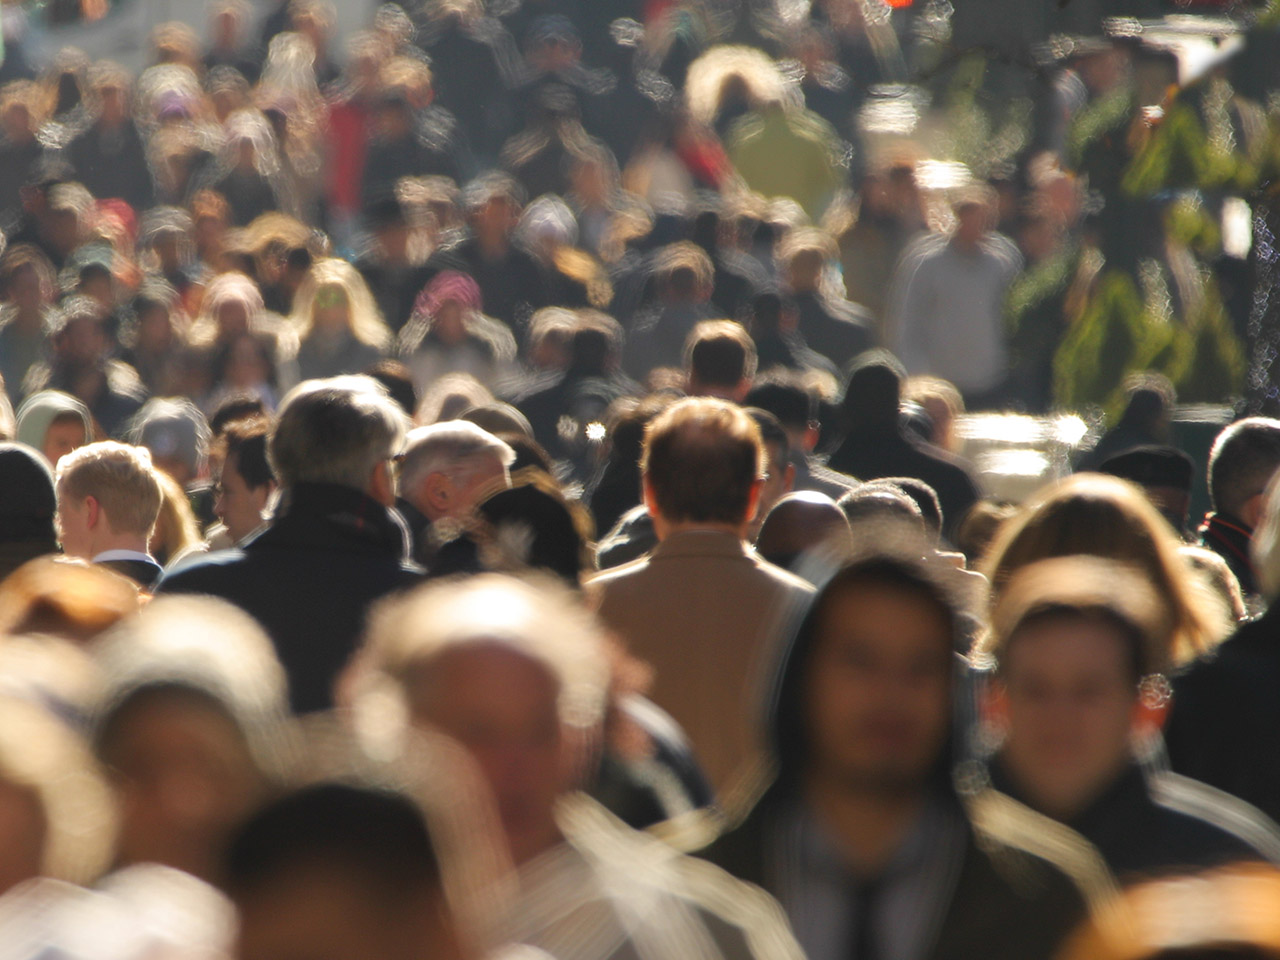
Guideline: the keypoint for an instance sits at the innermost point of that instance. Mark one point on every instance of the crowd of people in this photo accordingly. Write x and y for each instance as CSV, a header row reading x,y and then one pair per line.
x,y
501,489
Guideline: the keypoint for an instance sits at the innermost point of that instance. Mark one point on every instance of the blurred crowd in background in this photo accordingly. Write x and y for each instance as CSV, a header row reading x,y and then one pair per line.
x,y
641,479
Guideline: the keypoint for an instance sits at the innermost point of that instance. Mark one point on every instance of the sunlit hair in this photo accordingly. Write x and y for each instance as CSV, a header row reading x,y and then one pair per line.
x,y
455,447
335,431
120,477
41,756
223,289
176,531
709,74
1081,586
702,457
1106,517
211,648
363,316
64,597
535,617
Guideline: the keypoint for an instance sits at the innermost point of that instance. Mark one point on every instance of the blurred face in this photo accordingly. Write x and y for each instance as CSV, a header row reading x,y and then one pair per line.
x,y
233,318
155,333
17,123
502,706
1072,701
184,778
331,313
65,434
493,221
972,221
238,505
322,913
247,366
879,689
24,290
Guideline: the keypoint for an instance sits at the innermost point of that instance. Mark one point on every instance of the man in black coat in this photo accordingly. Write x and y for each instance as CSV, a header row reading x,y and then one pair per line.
x,y
861,828
109,157
334,545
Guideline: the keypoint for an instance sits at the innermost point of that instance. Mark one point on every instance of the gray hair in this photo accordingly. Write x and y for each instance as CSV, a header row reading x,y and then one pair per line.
x,y
335,431
452,447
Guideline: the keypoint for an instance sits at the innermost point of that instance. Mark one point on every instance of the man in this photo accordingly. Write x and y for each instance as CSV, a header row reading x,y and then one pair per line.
x,y
683,276
108,502
448,468
788,398
861,836
720,360
836,328
334,545
703,608
246,482
517,673
947,299
1244,458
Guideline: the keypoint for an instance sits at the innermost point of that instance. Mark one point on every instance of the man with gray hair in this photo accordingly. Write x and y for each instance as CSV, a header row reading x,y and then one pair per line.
x,y
447,469
333,545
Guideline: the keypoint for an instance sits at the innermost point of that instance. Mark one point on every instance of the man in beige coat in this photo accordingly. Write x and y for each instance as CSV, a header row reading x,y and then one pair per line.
x,y
703,609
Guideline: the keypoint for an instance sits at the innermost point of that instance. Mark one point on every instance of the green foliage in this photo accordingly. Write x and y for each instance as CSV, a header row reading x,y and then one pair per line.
x,y
1178,155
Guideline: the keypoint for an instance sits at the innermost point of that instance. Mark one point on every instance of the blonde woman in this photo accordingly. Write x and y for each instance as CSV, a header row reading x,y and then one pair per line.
x,y
1103,516
338,325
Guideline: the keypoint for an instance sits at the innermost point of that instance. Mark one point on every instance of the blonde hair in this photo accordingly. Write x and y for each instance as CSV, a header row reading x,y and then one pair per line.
x,y
226,288
1103,516
176,531
65,597
534,616
122,480
363,316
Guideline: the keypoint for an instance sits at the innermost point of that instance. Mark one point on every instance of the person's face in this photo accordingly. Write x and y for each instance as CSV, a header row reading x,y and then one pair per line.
x,y
64,230
495,220
17,123
238,505
184,778
247,366
113,104
24,290
312,913
64,435
72,523
449,323
502,706
331,312
972,221
1071,703
879,689
233,319
155,333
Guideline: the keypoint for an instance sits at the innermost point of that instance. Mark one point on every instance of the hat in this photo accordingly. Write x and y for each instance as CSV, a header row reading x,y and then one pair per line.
x,y
27,499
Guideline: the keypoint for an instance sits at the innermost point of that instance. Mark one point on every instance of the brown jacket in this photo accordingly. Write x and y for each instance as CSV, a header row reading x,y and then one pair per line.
x,y
710,617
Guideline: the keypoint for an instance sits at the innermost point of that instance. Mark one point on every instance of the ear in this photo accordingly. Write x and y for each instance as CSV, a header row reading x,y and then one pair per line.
x,y
753,499
93,512
382,485
811,434
437,490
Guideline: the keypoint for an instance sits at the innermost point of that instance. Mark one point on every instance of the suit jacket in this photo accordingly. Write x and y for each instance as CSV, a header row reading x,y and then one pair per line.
x,y
145,573
710,616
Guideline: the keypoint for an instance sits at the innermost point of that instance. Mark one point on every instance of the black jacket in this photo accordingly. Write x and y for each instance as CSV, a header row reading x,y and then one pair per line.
x,y
1141,832
309,578
1224,724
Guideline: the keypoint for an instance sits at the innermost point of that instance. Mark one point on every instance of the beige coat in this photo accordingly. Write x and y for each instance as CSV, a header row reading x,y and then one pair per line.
x,y
710,616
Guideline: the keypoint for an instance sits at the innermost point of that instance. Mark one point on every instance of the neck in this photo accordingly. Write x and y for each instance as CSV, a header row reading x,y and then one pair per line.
x,y
870,824
665,528
110,540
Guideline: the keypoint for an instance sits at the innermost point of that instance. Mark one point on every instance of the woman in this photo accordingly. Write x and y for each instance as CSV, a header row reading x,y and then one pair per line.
x,y
337,322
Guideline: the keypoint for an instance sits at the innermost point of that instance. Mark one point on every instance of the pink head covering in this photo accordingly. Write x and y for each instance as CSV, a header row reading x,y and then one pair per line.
x,y
448,285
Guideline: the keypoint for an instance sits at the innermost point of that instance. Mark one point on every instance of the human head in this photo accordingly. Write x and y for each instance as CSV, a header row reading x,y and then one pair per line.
x,y
1071,639
334,297
191,724
799,522
449,467
64,597
873,394
512,669
942,402
27,501
1105,517
1244,458
683,273
974,208
55,423
108,496
1163,473
176,433
864,702
344,431
780,473
702,463
803,255
720,360
245,483
338,870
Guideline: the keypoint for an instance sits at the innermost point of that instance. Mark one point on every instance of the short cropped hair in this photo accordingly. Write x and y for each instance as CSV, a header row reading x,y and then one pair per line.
x,y
684,268
536,617
122,480
701,457
335,431
720,353
1244,457
452,447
